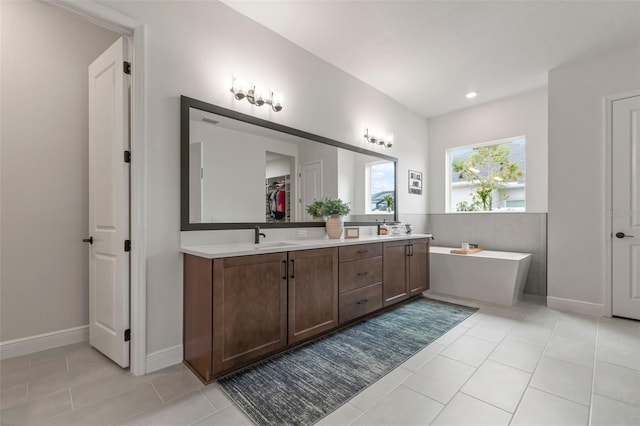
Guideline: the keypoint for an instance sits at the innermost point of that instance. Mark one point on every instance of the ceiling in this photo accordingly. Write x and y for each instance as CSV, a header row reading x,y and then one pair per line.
x,y
428,54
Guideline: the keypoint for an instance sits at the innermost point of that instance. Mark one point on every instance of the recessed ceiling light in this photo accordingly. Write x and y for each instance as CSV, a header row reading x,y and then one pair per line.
x,y
471,95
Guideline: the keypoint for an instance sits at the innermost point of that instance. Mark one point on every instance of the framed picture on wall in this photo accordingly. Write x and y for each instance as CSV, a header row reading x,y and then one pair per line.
x,y
415,182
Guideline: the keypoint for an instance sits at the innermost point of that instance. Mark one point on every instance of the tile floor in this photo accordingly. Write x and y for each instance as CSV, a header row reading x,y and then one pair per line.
x,y
527,365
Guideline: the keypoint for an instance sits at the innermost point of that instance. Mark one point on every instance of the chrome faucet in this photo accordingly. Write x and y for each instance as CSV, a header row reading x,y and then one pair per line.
x,y
257,235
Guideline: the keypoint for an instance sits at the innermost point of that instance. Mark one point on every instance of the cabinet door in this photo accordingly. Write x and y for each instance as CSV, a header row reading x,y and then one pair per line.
x,y
249,309
313,292
395,272
418,267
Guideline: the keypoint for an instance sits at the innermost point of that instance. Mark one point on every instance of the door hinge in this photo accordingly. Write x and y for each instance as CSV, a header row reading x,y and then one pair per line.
x,y
127,156
127,245
127,67
127,335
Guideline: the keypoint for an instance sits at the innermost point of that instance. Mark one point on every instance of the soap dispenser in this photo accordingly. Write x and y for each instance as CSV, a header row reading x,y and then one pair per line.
x,y
383,228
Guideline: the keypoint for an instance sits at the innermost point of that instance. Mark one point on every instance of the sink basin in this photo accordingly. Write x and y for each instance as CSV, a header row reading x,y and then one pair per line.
x,y
274,244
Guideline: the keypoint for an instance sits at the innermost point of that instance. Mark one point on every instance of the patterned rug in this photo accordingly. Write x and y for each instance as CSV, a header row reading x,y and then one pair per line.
x,y
301,386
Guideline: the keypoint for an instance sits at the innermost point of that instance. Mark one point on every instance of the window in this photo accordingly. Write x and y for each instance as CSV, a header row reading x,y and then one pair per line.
x,y
487,177
380,187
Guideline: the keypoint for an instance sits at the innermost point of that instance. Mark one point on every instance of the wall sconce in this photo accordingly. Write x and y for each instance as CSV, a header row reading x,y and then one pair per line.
x,y
256,94
377,137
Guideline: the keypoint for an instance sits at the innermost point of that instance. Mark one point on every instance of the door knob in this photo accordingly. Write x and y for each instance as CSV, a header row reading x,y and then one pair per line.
x,y
88,240
622,235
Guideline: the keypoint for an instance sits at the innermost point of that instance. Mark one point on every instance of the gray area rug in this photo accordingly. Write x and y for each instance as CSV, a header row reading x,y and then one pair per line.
x,y
301,386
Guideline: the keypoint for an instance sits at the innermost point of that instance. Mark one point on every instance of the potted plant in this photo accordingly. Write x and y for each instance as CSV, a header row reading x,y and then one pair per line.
x,y
389,199
316,210
335,209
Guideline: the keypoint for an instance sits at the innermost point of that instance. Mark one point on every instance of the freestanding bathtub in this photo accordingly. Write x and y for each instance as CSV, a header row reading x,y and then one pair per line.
x,y
489,276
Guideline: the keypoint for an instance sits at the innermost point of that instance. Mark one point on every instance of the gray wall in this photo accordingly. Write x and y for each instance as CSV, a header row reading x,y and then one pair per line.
x,y
517,232
578,236
520,115
44,167
194,49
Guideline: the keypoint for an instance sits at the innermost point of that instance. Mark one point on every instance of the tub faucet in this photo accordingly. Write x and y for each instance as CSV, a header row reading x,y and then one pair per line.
x,y
257,234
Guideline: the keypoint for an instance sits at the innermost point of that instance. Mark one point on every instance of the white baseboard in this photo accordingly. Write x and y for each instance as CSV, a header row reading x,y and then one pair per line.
x,y
576,306
164,358
41,342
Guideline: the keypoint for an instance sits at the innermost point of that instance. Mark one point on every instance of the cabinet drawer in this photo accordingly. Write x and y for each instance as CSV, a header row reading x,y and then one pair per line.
x,y
359,302
360,251
360,273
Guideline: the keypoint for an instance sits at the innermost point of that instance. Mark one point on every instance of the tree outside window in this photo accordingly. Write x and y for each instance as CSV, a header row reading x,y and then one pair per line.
x,y
488,177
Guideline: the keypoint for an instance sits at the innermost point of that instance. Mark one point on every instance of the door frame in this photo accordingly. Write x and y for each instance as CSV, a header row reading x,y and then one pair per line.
x,y
126,26
608,197
300,195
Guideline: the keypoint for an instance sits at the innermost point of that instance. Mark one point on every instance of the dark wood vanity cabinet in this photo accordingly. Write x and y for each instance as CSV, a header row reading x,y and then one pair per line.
x,y
313,293
419,267
249,309
360,280
197,313
405,269
238,310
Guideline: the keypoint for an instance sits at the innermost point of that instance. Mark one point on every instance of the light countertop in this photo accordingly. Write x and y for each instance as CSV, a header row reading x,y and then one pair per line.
x,y
215,251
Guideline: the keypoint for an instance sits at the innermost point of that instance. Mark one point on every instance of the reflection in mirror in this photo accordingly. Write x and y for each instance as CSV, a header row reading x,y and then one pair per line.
x,y
242,174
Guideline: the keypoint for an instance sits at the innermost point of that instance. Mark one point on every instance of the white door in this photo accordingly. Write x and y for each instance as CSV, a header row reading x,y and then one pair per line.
x,y
626,208
109,203
195,182
310,186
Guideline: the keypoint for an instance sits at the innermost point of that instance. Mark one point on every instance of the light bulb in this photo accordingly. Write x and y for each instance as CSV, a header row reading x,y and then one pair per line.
x,y
260,94
239,88
276,101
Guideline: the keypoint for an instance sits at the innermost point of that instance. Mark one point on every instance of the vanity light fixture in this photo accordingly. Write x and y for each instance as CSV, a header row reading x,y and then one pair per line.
x,y
471,95
377,137
256,94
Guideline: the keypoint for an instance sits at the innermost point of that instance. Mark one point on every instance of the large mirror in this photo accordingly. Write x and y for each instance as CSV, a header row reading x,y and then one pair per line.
x,y
239,171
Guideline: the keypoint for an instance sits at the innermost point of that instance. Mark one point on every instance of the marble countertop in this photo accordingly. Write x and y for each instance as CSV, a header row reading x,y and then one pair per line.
x,y
215,251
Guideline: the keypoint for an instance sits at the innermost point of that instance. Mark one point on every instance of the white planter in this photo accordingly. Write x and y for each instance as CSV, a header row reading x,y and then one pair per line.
x,y
334,227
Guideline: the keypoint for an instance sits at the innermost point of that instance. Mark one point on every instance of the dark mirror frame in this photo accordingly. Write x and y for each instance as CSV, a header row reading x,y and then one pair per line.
x,y
186,103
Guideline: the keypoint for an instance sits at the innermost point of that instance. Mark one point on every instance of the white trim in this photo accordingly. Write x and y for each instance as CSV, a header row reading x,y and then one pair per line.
x,y
98,14
607,279
41,342
123,24
164,358
576,306
138,205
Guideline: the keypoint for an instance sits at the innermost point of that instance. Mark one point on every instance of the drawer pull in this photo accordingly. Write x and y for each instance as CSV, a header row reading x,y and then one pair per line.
x,y
362,273
362,302
362,251
284,274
